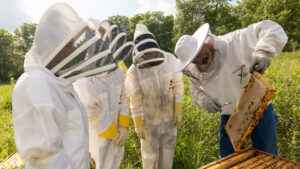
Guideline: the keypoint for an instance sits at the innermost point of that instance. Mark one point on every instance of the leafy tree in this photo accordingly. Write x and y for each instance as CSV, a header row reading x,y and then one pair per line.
x,y
161,26
284,12
24,37
220,14
158,24
121,21
6,55
188,18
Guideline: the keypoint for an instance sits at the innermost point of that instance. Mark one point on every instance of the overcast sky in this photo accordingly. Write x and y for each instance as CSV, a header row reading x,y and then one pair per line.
x,y
15,12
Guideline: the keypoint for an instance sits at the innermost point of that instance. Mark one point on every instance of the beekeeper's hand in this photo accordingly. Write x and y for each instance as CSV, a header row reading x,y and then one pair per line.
x,y
121,137
212,105
260,61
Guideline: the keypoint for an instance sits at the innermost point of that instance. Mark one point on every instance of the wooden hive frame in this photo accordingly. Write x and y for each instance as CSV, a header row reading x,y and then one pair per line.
x,y
252,158
249,108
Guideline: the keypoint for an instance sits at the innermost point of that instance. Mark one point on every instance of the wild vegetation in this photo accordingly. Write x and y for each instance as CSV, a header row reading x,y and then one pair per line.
x,y
198,134
197,141
197,138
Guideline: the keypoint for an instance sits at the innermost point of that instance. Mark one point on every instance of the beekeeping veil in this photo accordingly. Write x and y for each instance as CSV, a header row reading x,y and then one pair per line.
x,y
63,43
145,43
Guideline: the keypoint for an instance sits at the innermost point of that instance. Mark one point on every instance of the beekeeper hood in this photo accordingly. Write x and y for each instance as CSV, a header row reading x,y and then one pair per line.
x,y
114,45
61,44
188,47
146,51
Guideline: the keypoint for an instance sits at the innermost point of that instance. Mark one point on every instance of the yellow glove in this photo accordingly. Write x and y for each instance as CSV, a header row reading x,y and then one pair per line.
x,y
139,127
177,113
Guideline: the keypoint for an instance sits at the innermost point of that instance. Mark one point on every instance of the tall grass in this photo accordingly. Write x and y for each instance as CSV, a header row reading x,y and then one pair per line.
x,y
6,128
284,75
198,134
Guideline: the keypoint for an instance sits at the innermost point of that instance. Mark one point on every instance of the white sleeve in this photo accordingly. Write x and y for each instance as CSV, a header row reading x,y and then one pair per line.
x,y
265,35
124,107
124,98
134,90
198,95
92,101
88,95
37,128
271,37
178,85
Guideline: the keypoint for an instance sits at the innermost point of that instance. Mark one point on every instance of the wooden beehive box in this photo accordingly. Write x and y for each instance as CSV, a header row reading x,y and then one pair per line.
x,y
252,158
249,108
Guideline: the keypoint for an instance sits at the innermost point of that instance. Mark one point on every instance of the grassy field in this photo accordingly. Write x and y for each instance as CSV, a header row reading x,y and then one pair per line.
x,y
197,141
6,129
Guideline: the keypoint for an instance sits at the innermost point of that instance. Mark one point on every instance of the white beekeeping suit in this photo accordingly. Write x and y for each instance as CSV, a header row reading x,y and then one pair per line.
x,y
106,104
155,99
219,67
50,124
107,107
229,70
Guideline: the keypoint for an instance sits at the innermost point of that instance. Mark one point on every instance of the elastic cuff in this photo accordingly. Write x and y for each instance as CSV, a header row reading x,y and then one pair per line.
x,y
261,51
110,132
123,120
178,107
138,121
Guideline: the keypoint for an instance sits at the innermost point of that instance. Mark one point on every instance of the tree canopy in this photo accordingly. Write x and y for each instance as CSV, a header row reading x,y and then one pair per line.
x,y
223,16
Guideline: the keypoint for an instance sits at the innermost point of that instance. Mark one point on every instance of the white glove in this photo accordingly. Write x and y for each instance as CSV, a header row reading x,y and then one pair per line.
x,y
121,136
212,105
260,61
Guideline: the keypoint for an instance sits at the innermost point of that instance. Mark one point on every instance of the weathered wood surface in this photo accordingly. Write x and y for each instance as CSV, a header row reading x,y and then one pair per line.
x,y
252,158
234,160
248,162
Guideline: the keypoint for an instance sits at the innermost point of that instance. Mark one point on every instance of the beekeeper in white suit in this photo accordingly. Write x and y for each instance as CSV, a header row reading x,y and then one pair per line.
x,y
106,102
156,98
50,124
218,68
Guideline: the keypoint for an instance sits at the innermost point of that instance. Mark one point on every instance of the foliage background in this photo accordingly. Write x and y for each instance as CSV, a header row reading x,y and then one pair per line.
x,y
198,134
197,139
197,142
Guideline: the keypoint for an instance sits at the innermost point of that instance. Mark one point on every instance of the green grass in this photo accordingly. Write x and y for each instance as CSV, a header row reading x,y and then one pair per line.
x,y
284,75
5,90
198,134
6,128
